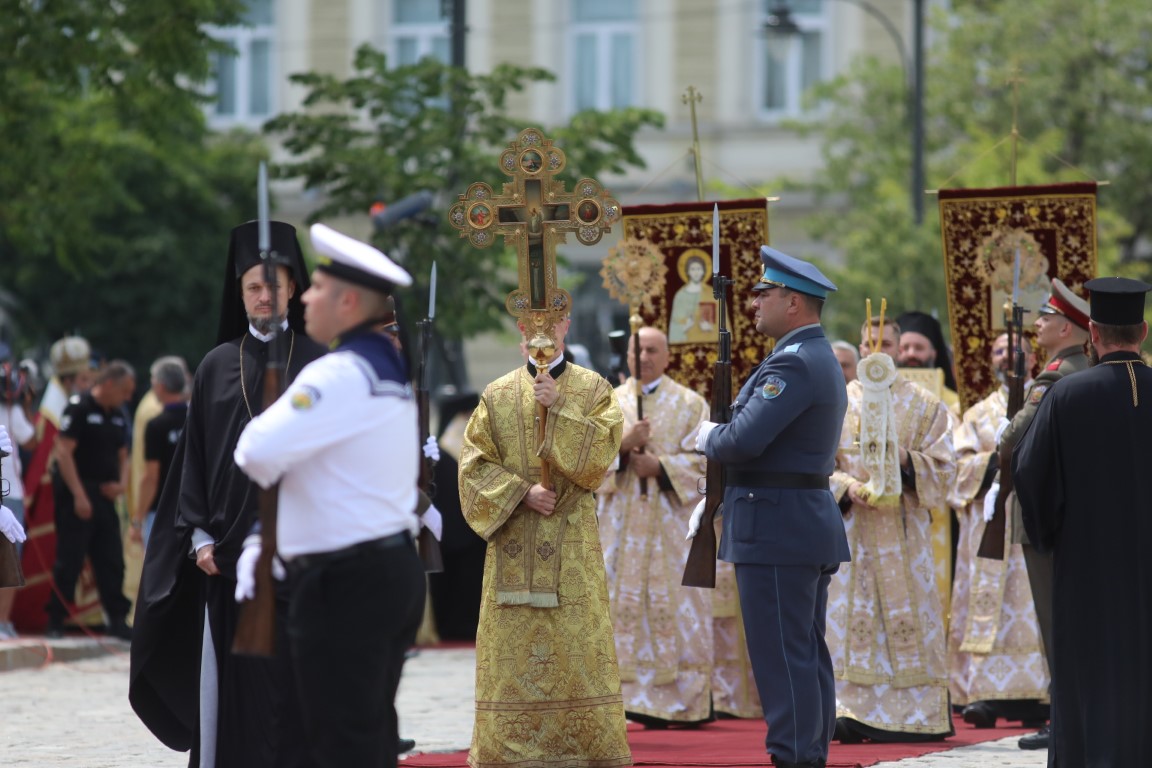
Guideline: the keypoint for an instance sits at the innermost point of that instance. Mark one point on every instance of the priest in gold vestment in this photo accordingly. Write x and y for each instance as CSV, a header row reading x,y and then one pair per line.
x,y
996,660
886,630
663,629
547,680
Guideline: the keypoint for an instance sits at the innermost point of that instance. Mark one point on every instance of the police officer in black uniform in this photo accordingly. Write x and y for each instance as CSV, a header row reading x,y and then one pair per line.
x,y
91,455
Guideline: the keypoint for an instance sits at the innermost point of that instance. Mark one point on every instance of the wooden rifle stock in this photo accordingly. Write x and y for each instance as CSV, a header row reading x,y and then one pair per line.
x,y
426,543
700,568
992,541
11,575
256,624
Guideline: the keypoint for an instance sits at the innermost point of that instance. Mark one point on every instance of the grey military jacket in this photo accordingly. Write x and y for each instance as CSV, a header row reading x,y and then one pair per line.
x,y
786,419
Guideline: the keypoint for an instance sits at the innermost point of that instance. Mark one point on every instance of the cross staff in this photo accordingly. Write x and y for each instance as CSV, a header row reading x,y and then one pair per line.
x,y
534,213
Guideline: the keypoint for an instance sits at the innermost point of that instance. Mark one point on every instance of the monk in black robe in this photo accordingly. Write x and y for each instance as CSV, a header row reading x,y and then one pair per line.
x,y
186,685
1082,475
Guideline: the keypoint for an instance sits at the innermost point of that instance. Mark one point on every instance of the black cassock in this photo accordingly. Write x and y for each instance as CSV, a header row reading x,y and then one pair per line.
x,y
1083,473
258,721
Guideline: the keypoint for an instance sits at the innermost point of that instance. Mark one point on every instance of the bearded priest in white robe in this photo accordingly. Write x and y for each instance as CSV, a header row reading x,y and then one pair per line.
x,y
886,626
663,630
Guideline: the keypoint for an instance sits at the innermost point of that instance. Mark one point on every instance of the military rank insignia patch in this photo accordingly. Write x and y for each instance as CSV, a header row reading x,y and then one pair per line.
x,y
773,386
1037,394
305,398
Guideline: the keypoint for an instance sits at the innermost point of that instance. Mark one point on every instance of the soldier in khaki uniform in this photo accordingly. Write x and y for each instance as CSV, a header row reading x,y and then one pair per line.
x,y
1062,331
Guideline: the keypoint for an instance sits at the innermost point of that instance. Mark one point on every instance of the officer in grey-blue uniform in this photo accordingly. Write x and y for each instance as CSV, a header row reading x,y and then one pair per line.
x,y
782,527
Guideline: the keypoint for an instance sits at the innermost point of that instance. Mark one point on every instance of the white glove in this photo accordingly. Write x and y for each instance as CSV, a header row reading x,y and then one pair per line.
x,y
702,436
5,442
246,569
990,502
697,516
11,529
433,521
1000,429
431,449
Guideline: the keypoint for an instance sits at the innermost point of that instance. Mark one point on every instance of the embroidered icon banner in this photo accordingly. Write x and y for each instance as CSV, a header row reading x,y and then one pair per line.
x,y
686,310
993,238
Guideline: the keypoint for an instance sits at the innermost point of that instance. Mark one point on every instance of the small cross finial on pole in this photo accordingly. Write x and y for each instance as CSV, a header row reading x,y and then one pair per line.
x,y
692,97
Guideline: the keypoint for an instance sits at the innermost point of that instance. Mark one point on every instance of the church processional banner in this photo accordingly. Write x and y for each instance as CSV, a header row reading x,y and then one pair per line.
x,y
686,309
1053,231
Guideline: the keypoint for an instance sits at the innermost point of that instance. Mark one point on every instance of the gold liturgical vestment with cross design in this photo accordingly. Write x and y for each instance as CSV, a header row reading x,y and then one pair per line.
x,y
994,649
886,630
663,629
547,681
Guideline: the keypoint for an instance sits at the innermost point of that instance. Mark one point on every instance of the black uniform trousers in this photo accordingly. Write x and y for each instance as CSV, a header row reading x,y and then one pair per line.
x,y
350,622
784,609
99,539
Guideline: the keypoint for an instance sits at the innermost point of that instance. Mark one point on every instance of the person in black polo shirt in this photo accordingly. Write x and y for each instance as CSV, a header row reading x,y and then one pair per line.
x,y
91,456
161,433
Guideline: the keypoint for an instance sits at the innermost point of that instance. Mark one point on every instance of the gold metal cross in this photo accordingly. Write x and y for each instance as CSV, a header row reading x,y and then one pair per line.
x,y
534,214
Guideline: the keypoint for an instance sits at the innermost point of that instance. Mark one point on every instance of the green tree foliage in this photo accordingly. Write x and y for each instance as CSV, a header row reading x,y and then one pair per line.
x,y
1084,112
115,202
385,133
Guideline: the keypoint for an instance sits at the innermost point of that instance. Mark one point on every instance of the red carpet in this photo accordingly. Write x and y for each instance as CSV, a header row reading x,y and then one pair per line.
x,y
741,742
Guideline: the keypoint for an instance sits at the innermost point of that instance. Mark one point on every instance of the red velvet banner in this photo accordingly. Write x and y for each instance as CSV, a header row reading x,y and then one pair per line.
x,y
1052,231
686,311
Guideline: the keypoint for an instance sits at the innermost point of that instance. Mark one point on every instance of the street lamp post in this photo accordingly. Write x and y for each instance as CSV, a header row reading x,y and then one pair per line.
x,y
780,23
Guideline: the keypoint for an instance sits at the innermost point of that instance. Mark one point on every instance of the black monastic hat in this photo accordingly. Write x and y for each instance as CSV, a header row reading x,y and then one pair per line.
x,y
929,327
1117,300
243,254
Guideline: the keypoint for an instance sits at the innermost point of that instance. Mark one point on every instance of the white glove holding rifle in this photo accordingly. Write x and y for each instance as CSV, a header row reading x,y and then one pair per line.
x,y
246,569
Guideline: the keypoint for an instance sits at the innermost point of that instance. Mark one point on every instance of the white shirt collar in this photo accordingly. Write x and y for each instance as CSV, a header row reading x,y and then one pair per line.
x,y
650,387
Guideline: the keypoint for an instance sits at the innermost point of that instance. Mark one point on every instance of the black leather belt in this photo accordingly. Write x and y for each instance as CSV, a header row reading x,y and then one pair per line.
x,y
796,480
304,562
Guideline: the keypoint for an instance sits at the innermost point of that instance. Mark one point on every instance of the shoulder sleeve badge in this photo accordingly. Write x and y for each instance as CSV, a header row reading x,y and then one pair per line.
x,y
1037,394
304,398
773,386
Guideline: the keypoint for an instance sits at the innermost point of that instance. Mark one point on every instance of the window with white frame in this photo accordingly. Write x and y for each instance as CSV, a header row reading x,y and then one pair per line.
x,y
603,53
419,29
242,81
788,65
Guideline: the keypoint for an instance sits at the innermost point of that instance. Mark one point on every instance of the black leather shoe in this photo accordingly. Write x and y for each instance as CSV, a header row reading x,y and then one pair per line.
x,y
405,745
785,764
54,630
980,714
1035,740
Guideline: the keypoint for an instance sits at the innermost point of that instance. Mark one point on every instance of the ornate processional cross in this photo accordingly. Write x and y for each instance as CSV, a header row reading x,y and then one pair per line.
x,y
534,214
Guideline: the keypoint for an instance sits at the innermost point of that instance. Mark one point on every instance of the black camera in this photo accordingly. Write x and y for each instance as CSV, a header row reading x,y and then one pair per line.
x,y
15,382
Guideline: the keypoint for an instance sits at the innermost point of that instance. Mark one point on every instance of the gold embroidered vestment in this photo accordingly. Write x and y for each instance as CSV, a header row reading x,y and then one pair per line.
x,y
547,681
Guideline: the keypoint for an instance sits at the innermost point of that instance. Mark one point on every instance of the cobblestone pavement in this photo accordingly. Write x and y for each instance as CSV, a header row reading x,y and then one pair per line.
x,y
76,713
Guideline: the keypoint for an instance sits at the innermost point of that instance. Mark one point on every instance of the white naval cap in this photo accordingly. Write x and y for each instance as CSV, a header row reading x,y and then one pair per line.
x,y
357,262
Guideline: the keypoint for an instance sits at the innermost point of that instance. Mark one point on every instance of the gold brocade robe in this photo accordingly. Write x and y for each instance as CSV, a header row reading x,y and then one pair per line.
x,y
547,681
663,629
886,630
994,648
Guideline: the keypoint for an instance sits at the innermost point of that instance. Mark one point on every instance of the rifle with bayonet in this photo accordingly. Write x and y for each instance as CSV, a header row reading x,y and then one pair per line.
x,y
426,542
992,542
256,624
700,569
